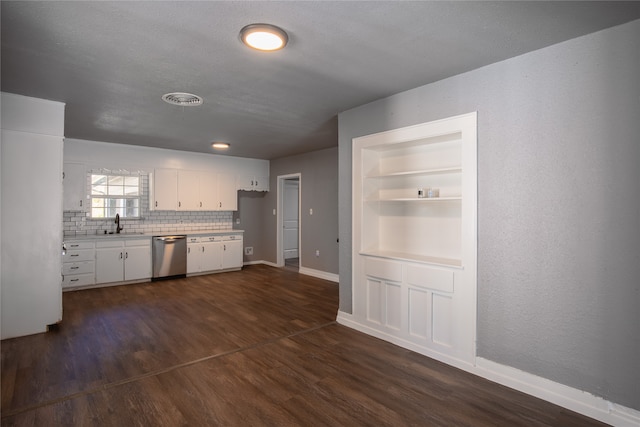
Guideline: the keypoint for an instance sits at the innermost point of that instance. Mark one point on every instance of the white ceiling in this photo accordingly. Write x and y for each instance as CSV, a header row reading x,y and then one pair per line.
x,y
111,62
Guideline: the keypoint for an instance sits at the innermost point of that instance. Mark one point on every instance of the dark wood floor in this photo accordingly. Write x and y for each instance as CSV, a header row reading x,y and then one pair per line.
x,y
250,348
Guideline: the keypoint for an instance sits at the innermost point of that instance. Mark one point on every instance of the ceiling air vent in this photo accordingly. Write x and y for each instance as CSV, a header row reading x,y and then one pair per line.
x,y
182,99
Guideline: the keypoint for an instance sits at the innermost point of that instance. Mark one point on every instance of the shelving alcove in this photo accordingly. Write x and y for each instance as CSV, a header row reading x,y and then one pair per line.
x,y
414,257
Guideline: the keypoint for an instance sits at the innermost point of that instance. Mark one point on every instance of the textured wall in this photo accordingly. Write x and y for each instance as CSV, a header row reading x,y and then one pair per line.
x,y
558,205
319,190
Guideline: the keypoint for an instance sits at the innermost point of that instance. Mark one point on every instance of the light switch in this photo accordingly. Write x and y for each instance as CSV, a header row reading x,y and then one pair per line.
x,y
311,211
274,211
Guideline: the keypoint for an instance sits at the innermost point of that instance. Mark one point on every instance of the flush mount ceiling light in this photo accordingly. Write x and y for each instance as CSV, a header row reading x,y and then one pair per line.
x,y
264,37
182,99
220,145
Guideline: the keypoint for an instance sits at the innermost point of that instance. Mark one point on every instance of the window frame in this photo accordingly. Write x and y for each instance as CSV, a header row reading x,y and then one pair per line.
x,y
113,203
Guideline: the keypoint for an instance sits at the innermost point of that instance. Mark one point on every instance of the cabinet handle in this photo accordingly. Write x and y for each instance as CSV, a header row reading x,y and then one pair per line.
x,y
179,204
72,255
200,204
74,246
220,204
156,203
252,183
126,254
203,249
188,250
74,280
120,255
256,183
74,268
225,247
80,203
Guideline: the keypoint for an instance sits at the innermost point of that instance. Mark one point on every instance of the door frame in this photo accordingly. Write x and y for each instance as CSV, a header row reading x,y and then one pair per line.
x,y
280,219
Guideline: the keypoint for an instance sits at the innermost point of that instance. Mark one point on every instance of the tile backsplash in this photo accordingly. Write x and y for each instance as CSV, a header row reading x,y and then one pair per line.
x,y
77,223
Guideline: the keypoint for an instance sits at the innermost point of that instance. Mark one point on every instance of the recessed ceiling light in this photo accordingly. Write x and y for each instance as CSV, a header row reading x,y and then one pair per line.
x,y
220,145
182,99
264,37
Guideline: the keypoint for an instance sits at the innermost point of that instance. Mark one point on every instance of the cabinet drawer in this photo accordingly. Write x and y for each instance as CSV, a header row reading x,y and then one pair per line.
x,y
109,244
232,237
383,269
211,239
138,242
76,245
79,255
430,278
78,267
193,239
78,280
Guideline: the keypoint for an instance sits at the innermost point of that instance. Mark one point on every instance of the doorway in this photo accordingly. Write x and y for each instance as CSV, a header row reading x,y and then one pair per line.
x,y
289,226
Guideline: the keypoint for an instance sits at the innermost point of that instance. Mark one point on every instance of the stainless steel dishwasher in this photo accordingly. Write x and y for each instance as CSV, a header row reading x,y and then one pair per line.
x,y
169,256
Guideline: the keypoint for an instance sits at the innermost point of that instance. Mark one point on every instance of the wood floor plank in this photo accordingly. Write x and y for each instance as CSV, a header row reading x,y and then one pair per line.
x,y
258,347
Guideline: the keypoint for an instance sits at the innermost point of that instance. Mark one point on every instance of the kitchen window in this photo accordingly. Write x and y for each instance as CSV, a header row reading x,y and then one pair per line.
x,y
115,194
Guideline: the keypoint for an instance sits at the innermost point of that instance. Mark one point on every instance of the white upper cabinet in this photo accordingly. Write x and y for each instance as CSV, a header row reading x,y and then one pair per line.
x,y
165,190
253,183
74,186
187,190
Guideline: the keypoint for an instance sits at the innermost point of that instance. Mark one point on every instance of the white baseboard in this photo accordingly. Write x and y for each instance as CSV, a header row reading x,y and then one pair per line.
x,y
319,274
347,319
568,397
559,394
302,270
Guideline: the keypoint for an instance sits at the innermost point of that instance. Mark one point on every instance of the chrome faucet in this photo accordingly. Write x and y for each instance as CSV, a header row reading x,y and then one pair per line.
x,y
118,228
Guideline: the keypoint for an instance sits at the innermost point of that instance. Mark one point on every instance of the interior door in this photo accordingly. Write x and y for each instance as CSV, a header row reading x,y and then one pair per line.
x,y
290,218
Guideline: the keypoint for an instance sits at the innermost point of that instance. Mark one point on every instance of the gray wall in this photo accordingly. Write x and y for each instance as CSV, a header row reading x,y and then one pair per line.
x,y
319,190
252,221
558,205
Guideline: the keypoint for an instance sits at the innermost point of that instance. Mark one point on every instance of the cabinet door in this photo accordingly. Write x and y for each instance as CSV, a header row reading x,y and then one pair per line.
x,y
188,191
261,183
165,190
194,256
74,185
253,183
211,256
137,262
227,193
109,265
232,254
208,191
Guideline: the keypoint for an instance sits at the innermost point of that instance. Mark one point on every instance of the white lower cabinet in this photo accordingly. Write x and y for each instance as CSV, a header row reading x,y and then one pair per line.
x,y
123,260
212,253
232,251
78,264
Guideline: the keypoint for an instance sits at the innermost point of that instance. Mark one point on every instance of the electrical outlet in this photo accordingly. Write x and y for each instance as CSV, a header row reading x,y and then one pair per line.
x,y
248,250
317,252
311,211
237,220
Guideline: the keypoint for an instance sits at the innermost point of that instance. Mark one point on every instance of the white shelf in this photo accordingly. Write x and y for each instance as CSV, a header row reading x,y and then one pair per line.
x,y
417,172
402,256
415,199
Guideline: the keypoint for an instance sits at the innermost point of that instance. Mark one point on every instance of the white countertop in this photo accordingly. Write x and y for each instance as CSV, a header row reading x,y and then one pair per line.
x,y
130,235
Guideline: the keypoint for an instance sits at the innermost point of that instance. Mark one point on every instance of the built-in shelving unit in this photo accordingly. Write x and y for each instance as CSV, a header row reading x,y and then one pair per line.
x,y
414,250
